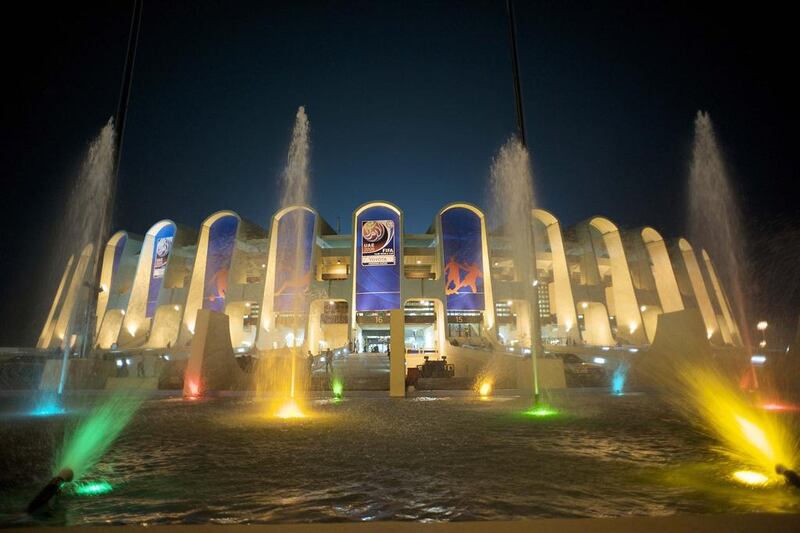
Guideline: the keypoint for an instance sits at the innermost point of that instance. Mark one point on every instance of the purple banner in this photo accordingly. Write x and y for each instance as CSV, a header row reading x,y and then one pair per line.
x,y
221,242
378,263
462,241
293,258
162,246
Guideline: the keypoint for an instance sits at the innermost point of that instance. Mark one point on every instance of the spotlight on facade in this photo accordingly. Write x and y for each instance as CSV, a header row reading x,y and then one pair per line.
x,y
762,344
605,348
761,326
633,350
132,329
177,307
632,327
758,359
599,360
584,305
536,283
485,389
709,333
119,363
643,308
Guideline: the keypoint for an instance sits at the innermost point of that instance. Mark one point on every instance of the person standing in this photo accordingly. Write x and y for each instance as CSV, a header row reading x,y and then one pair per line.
x,y
328,361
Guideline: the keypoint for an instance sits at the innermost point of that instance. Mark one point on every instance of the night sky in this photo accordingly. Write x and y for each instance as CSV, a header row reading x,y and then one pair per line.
x,y
407,100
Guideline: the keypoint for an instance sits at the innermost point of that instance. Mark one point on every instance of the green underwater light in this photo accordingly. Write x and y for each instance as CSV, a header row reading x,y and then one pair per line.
x,y
541,411
93,488
338,388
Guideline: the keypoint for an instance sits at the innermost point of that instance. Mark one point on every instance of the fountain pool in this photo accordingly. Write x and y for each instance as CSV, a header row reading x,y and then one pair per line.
x,y
368,457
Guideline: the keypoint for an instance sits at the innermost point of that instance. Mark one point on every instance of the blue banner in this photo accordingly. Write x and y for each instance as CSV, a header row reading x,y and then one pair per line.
x,y
377,265
293,258
118,249
162,246
462,241
221,242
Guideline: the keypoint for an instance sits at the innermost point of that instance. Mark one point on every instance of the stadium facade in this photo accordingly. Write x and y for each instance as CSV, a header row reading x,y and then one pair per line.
x,y
597,285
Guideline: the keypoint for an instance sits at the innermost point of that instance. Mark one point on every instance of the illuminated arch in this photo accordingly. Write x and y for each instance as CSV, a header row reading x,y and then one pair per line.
x,y
111,257
562,284
65,326
489,310
356,239
266,331
666,285
629,318
136,321
699,290
722,300
46,335
197,286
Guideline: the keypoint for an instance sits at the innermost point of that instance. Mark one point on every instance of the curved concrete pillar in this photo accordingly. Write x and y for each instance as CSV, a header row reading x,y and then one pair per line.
x,y
597,330
699,290
722,300
290,256
666,284
139,313
562,284
212,263
629,318
50,324
66,324
111,258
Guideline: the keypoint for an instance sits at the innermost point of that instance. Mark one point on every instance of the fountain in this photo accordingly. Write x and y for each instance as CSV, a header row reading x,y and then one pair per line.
x,y
619,377
715,219
279,373
85,225
511,200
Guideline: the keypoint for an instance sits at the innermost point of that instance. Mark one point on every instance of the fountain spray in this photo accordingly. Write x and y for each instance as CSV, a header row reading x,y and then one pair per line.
x,y
715,223
533,296
280,372
512,199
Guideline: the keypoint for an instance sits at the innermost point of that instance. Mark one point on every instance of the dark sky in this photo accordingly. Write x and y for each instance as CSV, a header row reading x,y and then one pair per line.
x,y
408,101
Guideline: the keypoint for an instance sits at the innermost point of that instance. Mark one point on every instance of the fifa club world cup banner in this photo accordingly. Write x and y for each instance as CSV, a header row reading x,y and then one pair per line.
x,y
118,249
162,246
462,240
377,259
293,259
221,242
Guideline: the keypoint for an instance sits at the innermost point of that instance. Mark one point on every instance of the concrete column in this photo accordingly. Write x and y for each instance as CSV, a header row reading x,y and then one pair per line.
x,y
397,364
